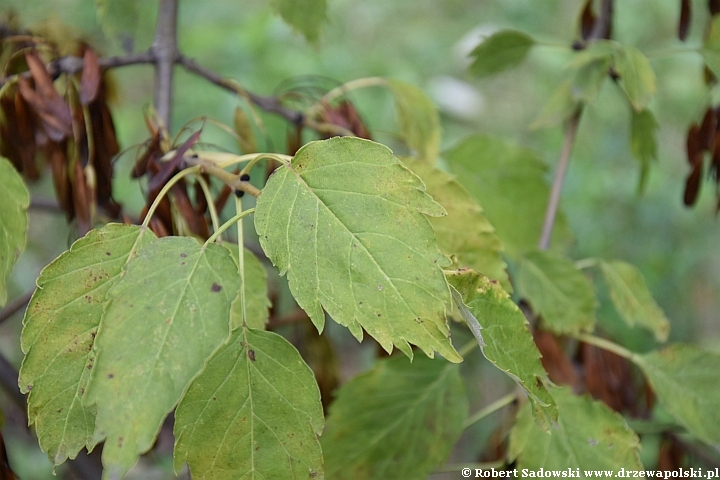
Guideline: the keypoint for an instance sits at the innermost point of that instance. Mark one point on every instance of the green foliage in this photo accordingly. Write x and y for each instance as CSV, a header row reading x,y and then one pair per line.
x,y
560,293
419,120
252,301
632,298
305,16
369,259
167,313
13,221
501,51
684,378
711,48
395,422
588,435
253,412
61,323
643,143
119,20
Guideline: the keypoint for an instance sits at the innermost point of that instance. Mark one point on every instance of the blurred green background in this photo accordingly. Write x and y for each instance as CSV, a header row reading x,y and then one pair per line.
x,y
426,42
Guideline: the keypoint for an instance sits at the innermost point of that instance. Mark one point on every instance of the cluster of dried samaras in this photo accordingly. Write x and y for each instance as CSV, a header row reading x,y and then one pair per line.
x,y
54,120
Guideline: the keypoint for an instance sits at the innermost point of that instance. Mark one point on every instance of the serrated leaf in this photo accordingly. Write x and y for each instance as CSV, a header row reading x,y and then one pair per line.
x,y
501,51
398,421
59,330
643,143
557,291
345,220
14,202
119,20
684,379
587,436
253,289
464,233
509,183
305,16
506,341
419,119
637,78
711,48
253,413
167,313
633,300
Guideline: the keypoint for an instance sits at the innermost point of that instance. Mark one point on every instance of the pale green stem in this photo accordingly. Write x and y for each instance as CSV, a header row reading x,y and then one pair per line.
x,y
241,255
179,176
490,409
228,224
587,263
284,159
468,347
605,345
208,198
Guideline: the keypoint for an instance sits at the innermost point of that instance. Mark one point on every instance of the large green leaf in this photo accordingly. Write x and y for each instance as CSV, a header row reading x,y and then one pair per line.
x,y
685,379
419,120
119,20
305,16
711,47
253,292
167,313
14,202
60,327
464,233
588,436
509,182
506,340
643,143
253,413
557,291
398,421
633,300
501,51
346,221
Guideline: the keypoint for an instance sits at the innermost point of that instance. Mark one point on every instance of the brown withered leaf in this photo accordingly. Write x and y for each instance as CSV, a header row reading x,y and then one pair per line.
x,y
45,101
169,168
90,78
684,23
150,155
693,144
707,130
587,20
195,220
671,454
692,185
6,472
715,159
559,367
714,7
106,147
294,142
346,116
608,378
82,198
61,178
17,134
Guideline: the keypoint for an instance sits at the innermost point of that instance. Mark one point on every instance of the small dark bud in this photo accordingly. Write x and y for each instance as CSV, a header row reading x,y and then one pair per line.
x,y
239,193
245,177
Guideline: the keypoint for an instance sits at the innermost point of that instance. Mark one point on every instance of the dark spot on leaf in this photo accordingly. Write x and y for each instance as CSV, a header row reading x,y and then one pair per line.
x,y
215,287
89,367
120,442
257,448
182,263
108,253
214,398
168,321
251,355
183,255
360,303
379,315
111,375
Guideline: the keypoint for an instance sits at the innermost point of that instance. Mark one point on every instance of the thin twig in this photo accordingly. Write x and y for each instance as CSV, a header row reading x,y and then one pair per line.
x,y
15,305
166,55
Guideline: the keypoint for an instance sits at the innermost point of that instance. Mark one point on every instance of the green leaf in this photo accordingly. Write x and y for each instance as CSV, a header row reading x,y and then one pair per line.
x,y
588,79
509,183
119,20
633,300
398,421
464,233
637,78
419,120
711,47
14,202
167,313
499,52
557,291
254,412
685,380
643,143
253,289
558,108
345,220
305,16
59,329
506,341
587,436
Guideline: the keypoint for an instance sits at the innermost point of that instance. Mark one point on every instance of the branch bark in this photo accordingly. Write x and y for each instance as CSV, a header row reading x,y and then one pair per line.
x,y
165,51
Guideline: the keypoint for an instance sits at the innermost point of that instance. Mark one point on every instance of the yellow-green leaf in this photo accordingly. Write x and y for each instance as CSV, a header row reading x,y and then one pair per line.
x,y
59,331
501,51
685,380
345,220
711,47
633,300
254,291
254,412
637,78
587,436
419,120
505,339
557,291
464,233
168,312
643,143
398,421
14,201
305,16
